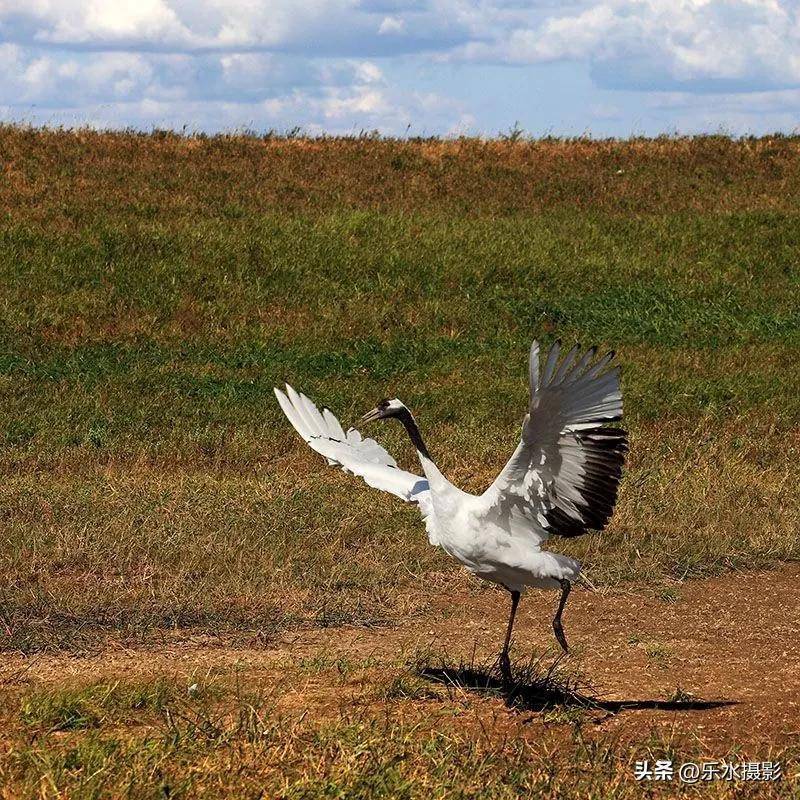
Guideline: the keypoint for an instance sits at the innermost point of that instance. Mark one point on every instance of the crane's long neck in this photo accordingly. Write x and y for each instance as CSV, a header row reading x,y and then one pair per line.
x,y
432,473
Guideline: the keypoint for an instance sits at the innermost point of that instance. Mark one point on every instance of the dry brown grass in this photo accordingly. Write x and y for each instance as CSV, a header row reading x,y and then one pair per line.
x,y
69,180
416,712
231,542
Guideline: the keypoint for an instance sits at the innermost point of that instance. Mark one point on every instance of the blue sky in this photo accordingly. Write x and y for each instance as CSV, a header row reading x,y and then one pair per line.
x,y
616,67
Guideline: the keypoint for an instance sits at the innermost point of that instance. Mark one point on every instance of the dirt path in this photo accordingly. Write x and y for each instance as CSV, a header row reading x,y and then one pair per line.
x,y
732,638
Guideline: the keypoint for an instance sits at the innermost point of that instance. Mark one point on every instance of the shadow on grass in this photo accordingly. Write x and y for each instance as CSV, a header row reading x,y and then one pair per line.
x,y
537,687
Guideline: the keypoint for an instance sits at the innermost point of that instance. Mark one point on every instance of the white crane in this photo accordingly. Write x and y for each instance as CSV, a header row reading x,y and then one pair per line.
x,y
562,479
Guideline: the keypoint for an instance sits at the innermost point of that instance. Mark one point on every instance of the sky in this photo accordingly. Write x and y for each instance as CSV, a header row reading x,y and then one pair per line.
x,y
419,67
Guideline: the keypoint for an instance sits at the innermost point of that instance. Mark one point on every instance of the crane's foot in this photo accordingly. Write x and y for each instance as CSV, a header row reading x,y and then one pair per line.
x,y
505,668
558,628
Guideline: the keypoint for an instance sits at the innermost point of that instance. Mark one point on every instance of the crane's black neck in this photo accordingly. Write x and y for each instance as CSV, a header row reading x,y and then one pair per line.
x,y
410,424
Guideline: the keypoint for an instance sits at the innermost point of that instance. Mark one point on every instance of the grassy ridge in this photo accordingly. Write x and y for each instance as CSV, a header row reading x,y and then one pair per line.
x,y
71,180
154,289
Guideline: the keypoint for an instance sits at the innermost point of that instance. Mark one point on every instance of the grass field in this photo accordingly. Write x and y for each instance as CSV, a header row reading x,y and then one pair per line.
x,y
153,290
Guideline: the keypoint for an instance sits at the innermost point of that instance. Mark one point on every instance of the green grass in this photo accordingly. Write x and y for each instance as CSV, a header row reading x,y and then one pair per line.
x,y
90,707
154,295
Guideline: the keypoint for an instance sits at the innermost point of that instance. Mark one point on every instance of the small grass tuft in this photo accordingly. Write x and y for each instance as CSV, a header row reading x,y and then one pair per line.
x,y
90,706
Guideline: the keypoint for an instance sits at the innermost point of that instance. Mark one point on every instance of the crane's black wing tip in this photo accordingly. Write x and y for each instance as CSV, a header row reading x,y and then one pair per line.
x,y
599,487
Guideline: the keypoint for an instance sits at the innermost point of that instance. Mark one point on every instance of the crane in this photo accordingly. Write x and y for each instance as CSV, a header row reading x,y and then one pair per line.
x,y
561,480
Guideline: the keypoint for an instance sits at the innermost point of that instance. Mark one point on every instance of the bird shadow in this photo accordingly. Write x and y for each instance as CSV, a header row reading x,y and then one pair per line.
x,y
540,687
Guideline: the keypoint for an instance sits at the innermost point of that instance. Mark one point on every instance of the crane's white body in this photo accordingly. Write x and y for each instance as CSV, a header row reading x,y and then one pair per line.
x,y
561,479
469,528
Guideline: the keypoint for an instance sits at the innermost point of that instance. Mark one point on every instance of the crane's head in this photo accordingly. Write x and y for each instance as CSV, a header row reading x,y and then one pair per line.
x,y
386,409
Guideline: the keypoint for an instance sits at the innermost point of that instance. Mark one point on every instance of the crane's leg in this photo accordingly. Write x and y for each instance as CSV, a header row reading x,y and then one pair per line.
x,y
558,629
505,661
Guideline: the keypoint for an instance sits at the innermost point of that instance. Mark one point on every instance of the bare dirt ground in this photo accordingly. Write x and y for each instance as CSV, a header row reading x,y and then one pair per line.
x,y
732,638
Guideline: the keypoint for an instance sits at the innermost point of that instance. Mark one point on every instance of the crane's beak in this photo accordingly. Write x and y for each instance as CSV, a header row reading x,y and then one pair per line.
x,y
371,416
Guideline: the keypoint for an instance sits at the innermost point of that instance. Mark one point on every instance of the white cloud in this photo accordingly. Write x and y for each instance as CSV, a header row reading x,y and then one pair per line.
x,y
210,92
747,43
331,62
43,79
362,101
50,78
332,27
701,45
368,72
391,25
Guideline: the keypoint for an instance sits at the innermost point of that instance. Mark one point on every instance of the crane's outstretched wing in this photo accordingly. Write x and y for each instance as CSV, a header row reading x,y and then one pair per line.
x,y
564,475
354,454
